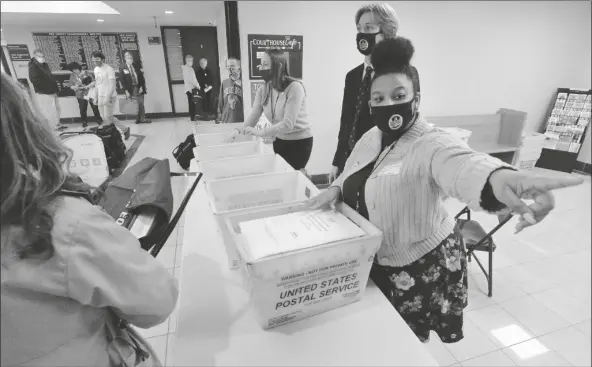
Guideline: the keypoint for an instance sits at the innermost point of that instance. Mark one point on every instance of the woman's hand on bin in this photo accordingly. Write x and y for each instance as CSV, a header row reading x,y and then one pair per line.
x,y
325,199
232,136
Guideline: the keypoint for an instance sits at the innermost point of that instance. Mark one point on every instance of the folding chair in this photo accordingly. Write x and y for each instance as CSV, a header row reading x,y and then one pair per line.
x,y
474,238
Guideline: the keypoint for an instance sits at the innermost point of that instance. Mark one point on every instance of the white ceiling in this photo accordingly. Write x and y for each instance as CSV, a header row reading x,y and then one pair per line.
x,y
136,13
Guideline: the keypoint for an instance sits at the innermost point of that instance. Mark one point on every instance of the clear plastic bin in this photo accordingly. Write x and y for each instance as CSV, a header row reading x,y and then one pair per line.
x,y
220,138
232,150
215,128
251,193
242,166
291,286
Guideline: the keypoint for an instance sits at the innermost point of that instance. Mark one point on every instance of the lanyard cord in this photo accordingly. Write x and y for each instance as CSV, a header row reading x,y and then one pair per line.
x,y
274,106
390,149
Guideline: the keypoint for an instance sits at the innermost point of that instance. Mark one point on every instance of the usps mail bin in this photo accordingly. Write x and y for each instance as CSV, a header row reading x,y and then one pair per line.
x,y
231,150
290,286
250,193
242,166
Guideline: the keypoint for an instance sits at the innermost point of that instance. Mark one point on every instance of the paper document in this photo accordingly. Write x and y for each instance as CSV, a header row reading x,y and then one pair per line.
x,y
275,235
208,89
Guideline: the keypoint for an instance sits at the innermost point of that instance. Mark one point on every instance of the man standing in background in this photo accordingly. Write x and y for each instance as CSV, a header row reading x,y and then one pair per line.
x,y
131,77
204,77
46,89
106,89
374,22
230,102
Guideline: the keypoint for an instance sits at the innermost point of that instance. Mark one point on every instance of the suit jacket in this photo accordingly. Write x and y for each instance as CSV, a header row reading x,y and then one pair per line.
x,y
353,81
204,77
125,77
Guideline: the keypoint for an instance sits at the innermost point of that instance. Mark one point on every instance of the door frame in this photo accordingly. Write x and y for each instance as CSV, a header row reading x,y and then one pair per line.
x,y
166,58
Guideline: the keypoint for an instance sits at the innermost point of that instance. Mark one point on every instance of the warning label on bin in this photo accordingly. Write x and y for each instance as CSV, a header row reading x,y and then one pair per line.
x,y
338,283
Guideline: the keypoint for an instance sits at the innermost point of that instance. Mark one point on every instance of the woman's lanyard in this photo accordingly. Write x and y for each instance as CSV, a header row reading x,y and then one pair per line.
x,y
274,106
390,149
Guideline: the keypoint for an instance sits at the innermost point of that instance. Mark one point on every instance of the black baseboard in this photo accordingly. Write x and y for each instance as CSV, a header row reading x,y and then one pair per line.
x,y
154,115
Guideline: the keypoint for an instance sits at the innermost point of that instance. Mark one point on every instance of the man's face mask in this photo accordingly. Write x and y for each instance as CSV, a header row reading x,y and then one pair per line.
x,y
366,42
395,119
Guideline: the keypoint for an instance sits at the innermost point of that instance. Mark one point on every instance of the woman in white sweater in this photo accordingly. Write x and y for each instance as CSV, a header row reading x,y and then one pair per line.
x,y
190,83
398,176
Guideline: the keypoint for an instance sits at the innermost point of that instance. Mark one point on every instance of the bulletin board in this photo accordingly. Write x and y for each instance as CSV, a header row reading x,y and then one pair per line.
x,y
62,48
292,45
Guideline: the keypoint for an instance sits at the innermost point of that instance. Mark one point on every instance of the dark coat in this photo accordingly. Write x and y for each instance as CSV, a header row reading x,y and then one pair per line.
x,y
204,77
41,78
125,79
353,80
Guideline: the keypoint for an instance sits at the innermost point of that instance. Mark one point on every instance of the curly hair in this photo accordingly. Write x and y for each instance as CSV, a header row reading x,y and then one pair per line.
x,y
33,173
394,56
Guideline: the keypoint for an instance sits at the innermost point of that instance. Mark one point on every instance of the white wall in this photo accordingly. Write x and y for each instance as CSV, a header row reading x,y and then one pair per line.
x,y
473,57
222,44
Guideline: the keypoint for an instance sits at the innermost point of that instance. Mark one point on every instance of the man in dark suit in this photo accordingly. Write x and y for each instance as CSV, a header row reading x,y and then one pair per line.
x,y
204,78
375,22
131,78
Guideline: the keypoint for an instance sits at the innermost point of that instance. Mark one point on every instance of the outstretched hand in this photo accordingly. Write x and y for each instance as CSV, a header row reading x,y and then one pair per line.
x,y
324,199
511,187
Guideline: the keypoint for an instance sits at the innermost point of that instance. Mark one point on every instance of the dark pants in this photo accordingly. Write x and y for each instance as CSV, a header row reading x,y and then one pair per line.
x,y
83,105
139,97
206,99
295,152
191,104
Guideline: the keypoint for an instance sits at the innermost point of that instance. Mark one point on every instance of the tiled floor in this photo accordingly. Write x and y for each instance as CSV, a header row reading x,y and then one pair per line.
x,y
539,314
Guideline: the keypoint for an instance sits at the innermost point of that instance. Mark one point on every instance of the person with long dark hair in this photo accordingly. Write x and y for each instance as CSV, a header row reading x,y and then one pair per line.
x,y
283,101
69,272
398,176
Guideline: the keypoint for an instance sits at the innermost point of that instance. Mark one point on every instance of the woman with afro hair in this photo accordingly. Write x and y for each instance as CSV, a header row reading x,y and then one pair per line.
x,y
398,176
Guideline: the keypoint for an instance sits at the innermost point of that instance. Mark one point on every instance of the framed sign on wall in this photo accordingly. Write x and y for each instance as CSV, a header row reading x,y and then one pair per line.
x,y
291,45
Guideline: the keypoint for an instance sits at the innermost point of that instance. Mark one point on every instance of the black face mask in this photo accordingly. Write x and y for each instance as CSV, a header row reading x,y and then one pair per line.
x,y
366,42
266,75
395,119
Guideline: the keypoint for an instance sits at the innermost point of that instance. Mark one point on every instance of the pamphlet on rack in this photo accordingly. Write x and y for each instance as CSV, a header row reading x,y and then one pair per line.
x,y
304,229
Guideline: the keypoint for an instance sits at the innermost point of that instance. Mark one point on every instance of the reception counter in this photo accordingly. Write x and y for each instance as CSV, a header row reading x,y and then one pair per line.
x,y
216,325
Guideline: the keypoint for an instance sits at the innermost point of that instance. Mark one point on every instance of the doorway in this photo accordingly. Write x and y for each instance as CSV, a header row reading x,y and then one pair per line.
x,y
200,42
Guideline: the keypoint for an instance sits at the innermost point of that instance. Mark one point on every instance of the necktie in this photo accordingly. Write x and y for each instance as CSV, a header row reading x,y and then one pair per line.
x,y
363,97
134,78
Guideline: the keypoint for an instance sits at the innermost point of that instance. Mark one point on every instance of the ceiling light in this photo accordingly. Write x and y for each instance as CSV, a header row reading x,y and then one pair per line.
x,y
58,7
100,20
168,12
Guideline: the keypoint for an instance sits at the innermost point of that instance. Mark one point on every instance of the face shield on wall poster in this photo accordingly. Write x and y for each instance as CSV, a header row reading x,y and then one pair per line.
x,y
292,45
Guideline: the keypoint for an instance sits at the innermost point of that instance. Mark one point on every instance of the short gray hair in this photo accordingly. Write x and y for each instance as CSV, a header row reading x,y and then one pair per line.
x,y
387,18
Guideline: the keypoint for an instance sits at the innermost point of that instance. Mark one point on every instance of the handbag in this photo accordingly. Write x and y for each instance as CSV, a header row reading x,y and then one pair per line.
x,y
126,348
128,106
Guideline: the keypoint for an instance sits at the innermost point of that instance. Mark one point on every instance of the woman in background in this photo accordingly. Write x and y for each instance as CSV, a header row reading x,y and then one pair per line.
x,y
283,101
69,272
191,85
398,176
80,82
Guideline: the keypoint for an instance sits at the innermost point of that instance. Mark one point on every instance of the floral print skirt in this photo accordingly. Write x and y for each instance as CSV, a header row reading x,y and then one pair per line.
x,y
430,293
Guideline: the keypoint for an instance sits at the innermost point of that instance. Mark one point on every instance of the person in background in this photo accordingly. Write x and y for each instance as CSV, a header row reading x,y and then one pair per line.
x,y
46,89
106,89
374,23
398,176
191,84
230,102
283,100
204,77
131,77
80,82
68,270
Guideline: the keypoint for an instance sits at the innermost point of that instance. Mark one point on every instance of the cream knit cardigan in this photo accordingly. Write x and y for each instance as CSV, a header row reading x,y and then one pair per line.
x,y
406,191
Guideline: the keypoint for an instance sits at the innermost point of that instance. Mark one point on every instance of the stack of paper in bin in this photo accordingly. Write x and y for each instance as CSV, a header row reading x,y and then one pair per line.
x,y
532,147
285,233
